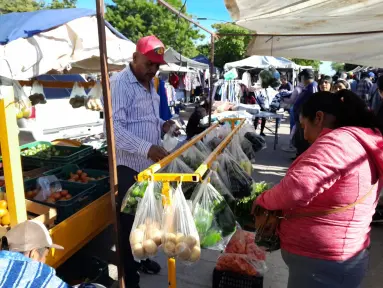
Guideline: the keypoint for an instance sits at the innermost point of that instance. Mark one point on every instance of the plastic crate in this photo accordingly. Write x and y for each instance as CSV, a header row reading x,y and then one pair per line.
x,y
76,154
226,279
95,161
82,195
102,185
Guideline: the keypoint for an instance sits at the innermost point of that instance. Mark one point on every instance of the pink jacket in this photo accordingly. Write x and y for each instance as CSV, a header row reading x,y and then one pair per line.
x,y
340,167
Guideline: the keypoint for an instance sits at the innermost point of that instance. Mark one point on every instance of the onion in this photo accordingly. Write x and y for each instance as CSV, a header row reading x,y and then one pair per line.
x,y
137,236
195,254
180,237
190,241
170,237
138,251
169,249
156,236
142,227
150,247
183,251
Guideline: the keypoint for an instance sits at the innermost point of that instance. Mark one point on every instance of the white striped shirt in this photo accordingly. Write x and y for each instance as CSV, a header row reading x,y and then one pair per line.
x,y
136,120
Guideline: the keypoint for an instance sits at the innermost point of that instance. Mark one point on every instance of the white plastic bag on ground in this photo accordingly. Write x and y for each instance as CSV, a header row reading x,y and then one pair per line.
x,y
146,234
180,238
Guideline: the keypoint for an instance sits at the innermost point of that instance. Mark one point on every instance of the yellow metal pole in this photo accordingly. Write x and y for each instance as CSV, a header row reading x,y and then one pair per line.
x,y
9,139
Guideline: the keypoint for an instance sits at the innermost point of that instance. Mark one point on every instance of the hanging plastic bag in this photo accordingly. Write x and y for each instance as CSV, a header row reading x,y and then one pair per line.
x,y
22,103
77,96
146,234
193,157
203,148
240,156
213,217
179,166
37,94
134,195
48,186
180,238
93,102
234,177
218,183
170,141
243,256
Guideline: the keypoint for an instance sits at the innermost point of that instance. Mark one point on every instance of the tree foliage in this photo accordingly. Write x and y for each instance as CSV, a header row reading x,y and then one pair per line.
x,y
304,62
337,67
138,18
9,6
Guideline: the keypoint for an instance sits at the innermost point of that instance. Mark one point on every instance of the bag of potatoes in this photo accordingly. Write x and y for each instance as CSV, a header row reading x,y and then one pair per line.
x,y
180,238
146,234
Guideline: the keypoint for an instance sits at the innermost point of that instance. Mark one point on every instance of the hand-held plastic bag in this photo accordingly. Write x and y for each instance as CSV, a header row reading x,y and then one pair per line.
x,y
77,96
146,234
170,141
214,220
46,186
235,178
134,195
37,94
243,256
93,102
180,238
240,156
22,103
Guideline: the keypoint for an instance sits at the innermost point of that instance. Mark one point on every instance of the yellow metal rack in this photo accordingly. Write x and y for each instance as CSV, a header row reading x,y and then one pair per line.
x,y
197,176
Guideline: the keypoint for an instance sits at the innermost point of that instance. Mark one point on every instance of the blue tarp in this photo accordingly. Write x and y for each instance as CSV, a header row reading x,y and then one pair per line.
x,y
26,24
201,59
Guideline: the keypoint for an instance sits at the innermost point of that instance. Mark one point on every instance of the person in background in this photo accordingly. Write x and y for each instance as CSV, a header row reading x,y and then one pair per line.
x,y
343,165
377,100
341,85
138,129
24,251
343,76
311,87
250,98
325,83
364,86
286,85
194,127
354,83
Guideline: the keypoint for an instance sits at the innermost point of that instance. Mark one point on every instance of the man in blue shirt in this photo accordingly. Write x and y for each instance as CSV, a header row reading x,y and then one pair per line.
x,y
311,87
22,258
137,129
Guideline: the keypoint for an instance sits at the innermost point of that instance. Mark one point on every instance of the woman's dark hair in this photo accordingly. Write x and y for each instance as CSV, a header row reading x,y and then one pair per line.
x,y
325,78
346,106
343,82
379,83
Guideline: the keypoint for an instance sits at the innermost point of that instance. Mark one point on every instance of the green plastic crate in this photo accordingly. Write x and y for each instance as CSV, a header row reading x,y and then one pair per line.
x,y
102,185
82,195
76,154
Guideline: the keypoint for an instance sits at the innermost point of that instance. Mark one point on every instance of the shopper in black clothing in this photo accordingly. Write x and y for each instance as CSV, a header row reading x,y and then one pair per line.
x,y
194,127
379,84
286,85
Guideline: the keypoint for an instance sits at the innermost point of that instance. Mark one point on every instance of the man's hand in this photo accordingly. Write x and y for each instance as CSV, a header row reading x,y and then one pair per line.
x,y
168,124
156,153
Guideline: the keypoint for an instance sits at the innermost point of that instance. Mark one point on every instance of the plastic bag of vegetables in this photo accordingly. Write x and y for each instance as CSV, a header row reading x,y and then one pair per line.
x,y
193,157
203,148
46,186
243,256
77,96
234,177
240,156
170,141
146,234
37,94
213,218
180,238
22,103
93,101
134,195
218,184
179,166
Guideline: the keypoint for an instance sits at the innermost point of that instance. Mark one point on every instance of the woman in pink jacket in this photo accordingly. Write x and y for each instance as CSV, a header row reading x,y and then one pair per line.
x,y
343,164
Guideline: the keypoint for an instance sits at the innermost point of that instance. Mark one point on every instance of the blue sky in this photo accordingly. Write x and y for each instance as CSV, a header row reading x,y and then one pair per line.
x,y
214,10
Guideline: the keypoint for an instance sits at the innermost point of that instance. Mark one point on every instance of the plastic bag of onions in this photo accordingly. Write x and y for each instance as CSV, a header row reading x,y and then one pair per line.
x,y
146,234
180,238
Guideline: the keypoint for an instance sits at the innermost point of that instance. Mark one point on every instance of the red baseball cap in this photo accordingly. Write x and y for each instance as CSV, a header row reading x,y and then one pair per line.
x,y
153,48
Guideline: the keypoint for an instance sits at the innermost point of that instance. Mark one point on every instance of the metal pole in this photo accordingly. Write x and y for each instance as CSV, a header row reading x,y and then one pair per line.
x,y
211,96
109,135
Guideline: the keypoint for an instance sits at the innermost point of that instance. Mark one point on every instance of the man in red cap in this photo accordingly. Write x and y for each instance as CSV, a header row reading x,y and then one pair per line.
x,y
138,129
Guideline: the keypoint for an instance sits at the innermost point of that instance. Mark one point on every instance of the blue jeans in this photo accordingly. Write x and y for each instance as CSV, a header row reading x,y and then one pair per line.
x,y
305,272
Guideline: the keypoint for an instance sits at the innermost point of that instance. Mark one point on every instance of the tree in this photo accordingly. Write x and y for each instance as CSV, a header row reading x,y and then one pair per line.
x,y
138,18
9,6
57,4
304,62
337,67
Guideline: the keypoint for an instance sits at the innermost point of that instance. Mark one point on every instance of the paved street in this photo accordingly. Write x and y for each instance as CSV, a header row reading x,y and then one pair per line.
x,y
271,166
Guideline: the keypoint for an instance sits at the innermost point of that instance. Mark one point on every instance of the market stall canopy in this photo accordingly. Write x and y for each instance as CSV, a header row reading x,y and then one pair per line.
x,y
262,62
51,41
332,30
172,56
171,67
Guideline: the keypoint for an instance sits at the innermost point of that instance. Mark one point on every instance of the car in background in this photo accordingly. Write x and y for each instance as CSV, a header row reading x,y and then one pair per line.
x,y
57,119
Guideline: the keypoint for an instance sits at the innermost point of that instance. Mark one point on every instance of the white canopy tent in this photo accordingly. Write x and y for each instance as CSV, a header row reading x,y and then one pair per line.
x,y
332,30
171,67
172,56
262,62
72,46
